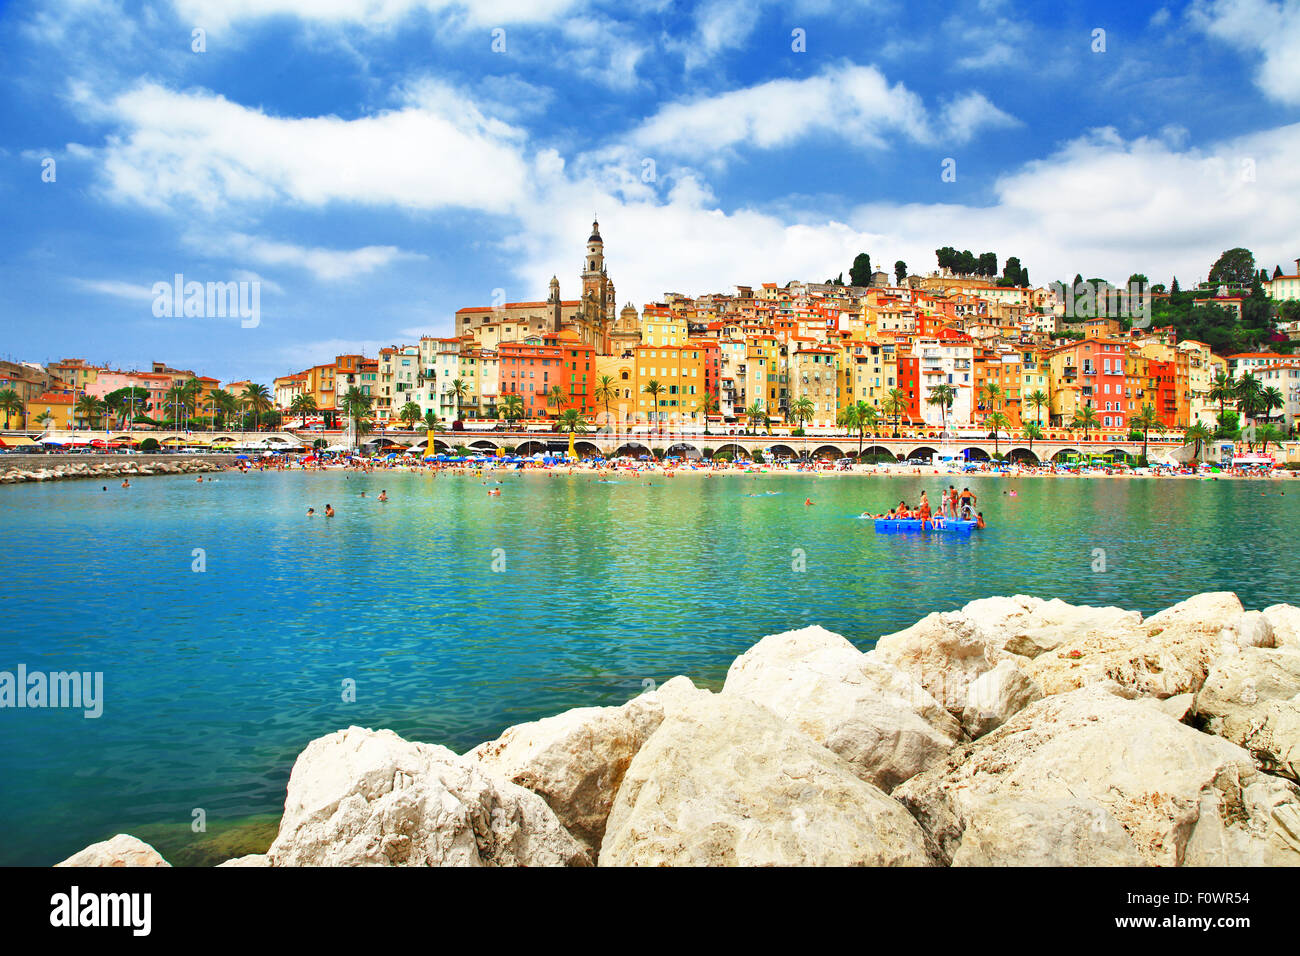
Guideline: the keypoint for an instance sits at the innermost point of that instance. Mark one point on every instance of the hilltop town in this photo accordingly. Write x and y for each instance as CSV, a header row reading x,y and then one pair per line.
x,y
961,347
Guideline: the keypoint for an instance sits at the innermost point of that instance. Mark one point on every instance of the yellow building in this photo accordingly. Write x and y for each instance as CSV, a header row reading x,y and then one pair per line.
x,y
621,371
765,376
680,371
58,405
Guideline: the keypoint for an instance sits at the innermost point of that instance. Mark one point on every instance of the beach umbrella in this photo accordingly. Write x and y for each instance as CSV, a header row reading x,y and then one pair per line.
x,y
241,458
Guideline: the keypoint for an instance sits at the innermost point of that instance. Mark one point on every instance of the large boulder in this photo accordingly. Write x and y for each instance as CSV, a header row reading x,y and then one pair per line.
x,y
725,782
1170,654
947,652
576,760
251,859
369,798
121,850
1285,622
882,722
1252,698
996,696
1089,760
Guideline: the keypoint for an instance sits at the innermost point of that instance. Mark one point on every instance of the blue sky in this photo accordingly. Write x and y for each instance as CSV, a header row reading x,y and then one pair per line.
x,y
375,164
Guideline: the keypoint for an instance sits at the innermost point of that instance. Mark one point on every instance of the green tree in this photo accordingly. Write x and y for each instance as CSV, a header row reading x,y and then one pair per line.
x,y
1085,418
943,395
1233,267
512,407
998,423
88,408
257,400
708,406
410,414
304,404
654,390
1038,398
860,272
605,392
1198,436
1033,431
1145,421
356,405
858,416
10,403
571,420
900,271
459,391
803,409
753,415
894,406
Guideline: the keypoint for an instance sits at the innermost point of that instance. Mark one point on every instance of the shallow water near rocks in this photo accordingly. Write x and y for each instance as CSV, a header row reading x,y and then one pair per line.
x,y
458,614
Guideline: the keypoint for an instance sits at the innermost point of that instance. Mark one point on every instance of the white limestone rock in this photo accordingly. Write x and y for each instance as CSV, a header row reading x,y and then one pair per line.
x,y
884,724
361,797
1093,758
1170,654
1253,699
121,850
252,859
1284,619
576,760
996,696
725,782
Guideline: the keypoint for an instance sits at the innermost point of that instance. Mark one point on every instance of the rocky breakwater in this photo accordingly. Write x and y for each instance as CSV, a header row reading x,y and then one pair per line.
x,y
64,467
1014,731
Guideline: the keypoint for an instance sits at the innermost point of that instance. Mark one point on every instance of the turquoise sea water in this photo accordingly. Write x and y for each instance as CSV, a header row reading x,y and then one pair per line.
x,y
215,680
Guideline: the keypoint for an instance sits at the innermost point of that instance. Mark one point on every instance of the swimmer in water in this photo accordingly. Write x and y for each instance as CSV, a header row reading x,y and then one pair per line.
x,y
311,512
807,501
126,483
383,495
329,511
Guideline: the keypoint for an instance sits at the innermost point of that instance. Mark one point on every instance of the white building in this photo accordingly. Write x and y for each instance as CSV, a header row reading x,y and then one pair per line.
x,y
945,362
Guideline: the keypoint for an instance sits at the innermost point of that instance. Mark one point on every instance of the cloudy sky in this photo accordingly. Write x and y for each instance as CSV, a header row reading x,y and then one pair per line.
x,y
377,164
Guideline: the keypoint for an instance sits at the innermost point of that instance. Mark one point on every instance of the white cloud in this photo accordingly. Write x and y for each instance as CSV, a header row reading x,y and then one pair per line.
x,y
374,14
201,148
1264,29
1100,205
328,264
117,289
855,103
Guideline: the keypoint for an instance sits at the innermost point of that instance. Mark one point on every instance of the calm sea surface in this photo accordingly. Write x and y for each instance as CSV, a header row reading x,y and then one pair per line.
x,y
215,680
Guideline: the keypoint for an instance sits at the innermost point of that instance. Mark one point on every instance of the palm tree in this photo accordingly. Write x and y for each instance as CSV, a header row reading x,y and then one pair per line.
x,y
1199,436
894,405
571,420
1249,392
410,414
556,398
1086,419
1271,398
1268,433
431,421
1222,390
943,395
997,421
804,410
1145,421
1038,398
10,402
113,404
1034,431
991,392
45,418
606,391
512,407
176,400
753,416
356,406
303,405
192,389
708,406
256,399
860,416
224,403
89,408
654,390
459,390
